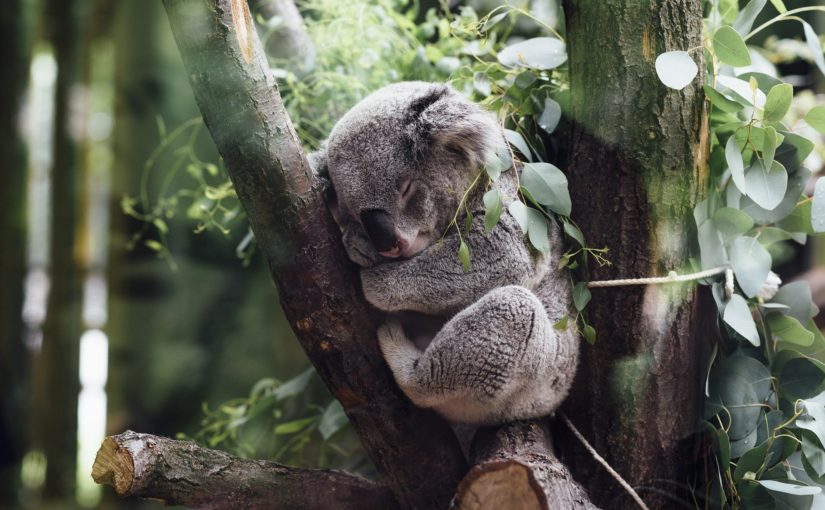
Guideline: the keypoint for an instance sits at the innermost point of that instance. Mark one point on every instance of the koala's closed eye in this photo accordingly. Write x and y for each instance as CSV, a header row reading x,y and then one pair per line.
x,y
407,189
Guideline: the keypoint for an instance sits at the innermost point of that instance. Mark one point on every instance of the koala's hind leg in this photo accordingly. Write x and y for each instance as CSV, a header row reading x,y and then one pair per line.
x,y
497,360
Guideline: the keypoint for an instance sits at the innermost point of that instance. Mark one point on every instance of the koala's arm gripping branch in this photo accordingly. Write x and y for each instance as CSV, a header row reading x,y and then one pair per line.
x,y
183,473
434,281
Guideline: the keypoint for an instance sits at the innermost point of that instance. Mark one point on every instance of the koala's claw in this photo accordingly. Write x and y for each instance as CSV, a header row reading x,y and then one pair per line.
x,y
394,342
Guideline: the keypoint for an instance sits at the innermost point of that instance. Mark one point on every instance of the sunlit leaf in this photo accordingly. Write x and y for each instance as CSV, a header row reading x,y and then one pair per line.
x,y
676,69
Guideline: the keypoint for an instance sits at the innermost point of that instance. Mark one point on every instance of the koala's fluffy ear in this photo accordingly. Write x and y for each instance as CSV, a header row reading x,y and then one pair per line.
x,y
441,118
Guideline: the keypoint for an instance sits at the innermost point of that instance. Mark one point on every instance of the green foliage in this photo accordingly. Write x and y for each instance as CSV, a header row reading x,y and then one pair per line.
x,y
765,405
276,422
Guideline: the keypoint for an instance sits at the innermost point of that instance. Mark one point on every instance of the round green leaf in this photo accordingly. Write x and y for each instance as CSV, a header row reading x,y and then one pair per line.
x,y
537,53
751,264
548,186
766,187
731,222
676,69
537,230
778,102
730,48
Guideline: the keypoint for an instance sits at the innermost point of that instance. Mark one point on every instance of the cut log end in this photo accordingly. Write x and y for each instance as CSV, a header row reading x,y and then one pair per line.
x,y
508,484
114,466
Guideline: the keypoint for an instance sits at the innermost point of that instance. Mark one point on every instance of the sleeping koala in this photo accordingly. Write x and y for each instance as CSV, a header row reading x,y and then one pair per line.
x,y
399,163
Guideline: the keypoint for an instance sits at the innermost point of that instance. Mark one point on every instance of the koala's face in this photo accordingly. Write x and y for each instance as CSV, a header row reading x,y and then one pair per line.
x,y
399,162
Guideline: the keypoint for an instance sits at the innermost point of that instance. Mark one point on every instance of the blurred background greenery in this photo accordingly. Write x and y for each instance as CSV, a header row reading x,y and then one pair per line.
x,y
132,297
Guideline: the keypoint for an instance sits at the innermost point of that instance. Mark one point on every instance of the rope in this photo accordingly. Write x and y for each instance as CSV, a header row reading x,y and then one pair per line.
x,y
592,451
672,277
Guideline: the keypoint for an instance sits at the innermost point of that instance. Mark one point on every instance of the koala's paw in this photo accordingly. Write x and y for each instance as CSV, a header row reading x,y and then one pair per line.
x,y
380,288
394,343
359,249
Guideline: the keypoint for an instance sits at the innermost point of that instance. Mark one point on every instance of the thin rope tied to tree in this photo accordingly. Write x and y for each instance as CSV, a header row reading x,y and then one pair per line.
x,y
672,277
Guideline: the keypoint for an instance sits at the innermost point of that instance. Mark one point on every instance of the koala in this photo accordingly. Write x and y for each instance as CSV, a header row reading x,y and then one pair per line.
x,y
399,163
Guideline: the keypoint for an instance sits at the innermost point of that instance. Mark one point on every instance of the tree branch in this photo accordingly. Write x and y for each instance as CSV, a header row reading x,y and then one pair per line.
x,y
515,468
183,473
319,289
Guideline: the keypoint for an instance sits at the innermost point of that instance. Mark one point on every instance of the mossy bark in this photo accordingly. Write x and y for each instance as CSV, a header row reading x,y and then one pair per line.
x,y
637,167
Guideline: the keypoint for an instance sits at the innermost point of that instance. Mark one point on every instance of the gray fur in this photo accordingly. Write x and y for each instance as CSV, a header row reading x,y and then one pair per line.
x,y
497,356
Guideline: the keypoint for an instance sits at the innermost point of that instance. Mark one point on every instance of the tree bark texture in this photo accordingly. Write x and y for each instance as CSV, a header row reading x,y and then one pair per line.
x,y
636,169
15,55
413,448
182,473
514,467
56,367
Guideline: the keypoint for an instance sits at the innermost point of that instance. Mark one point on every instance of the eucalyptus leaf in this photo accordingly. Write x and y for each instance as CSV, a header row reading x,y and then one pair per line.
x,y
492,209
550,115
738,316
766,185
574,232
779,5
517,141
294,386
790,487
778,102
538,53
816,47
518,211
676,69
482,83
710,246
548,186
739,386
743,91
788,329
796,184
721,101
814,417
581,296
816,118
464,255
731,222
769,151
537,230
333,420
818,207
797,297
800,378
751,264
745,20
730,48
733,156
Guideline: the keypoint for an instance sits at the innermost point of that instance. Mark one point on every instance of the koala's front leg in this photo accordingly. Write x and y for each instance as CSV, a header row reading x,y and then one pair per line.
x,y
435,282
498,360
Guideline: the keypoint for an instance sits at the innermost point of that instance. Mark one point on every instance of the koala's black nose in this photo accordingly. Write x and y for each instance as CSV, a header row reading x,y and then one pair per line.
x,y
380,228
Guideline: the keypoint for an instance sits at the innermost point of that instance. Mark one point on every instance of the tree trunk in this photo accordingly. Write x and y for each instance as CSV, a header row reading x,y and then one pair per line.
x,y
515,468
15,55
636,168
56,378
414,449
